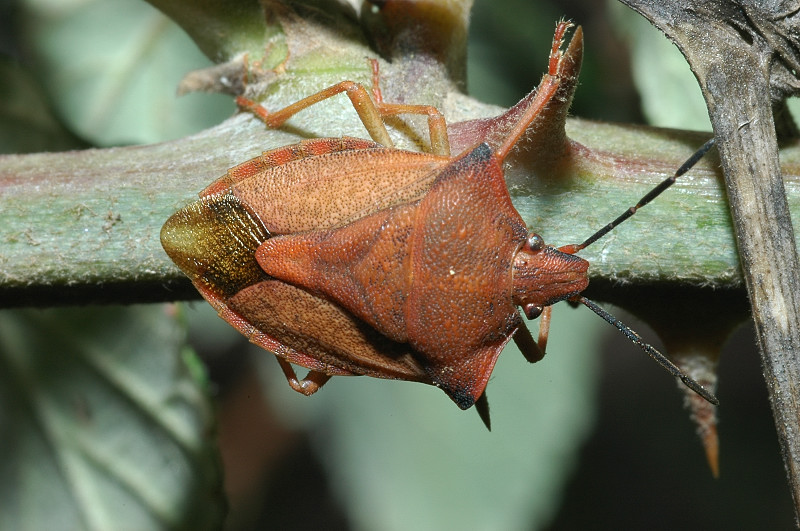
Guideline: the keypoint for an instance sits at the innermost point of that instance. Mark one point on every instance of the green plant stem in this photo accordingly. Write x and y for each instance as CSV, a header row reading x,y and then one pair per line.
x,y
84,226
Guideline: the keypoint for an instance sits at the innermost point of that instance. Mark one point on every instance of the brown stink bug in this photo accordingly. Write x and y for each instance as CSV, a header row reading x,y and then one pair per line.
x,y
352,257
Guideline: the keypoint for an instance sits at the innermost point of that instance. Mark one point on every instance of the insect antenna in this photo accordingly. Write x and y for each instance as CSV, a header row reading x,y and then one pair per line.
x,y
619,325
655,354
649,196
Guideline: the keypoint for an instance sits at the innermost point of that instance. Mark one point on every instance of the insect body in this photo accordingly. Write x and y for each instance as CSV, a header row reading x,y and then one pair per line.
x,y
351,257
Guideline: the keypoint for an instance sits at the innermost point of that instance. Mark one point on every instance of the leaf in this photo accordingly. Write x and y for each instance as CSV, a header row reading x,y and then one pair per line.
x,y
26,125
111,69
102,423
668,90
402,456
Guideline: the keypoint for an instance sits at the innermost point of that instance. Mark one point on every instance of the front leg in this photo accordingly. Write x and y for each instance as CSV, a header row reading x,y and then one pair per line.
x,y
534,350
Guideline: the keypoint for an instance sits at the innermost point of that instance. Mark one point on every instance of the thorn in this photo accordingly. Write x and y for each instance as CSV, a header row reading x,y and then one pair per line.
x,y
482,407
703,413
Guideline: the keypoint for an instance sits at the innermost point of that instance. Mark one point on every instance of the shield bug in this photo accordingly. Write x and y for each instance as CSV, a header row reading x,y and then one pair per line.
x,y
352,257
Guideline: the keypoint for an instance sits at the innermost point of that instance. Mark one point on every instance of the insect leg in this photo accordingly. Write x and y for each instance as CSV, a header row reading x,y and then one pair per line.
x,y
364,106
533,350
437,126
544,93
371,112
308,385
544,328
555,51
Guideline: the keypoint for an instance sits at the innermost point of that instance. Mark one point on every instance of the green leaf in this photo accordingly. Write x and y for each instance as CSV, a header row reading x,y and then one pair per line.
x,y
26,124
111,68
669,91
403,456
102,423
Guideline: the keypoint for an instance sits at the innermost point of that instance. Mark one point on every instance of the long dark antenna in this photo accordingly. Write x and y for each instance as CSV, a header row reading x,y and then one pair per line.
x,y
652,194
655,354
619,325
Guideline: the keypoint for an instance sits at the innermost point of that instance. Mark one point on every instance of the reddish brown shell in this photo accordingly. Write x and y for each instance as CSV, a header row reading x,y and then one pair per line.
x,y
214,241
435,274
349,257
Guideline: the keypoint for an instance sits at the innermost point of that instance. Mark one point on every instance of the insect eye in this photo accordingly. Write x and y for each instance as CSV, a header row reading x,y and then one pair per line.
x,y
534,242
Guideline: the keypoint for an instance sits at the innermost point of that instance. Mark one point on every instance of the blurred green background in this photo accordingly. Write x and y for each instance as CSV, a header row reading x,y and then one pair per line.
x,y
595,436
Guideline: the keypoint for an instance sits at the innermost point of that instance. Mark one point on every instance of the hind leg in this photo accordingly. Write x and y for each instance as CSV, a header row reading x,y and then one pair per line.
x,y
309,385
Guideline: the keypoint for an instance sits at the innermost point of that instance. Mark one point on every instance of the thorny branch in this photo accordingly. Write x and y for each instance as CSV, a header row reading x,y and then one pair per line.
x,y
746,54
